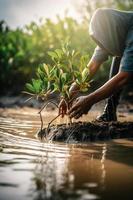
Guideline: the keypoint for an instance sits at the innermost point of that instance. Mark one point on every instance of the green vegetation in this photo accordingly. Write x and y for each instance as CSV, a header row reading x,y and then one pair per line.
x,y
67,67
22,50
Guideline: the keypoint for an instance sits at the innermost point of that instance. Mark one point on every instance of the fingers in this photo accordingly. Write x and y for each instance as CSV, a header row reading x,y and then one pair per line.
x,y
62,111
71,102
62,108
78,115
75,113
74,107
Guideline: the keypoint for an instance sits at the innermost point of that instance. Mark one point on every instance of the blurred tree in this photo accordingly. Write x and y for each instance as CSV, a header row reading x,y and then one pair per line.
x,y
89,6
21,50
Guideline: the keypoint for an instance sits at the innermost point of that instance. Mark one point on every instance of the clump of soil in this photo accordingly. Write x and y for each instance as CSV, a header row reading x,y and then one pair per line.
x,y
88,131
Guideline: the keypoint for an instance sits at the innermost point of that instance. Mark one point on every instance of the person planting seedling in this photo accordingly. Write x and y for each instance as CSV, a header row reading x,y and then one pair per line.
x,y
112,30
58,77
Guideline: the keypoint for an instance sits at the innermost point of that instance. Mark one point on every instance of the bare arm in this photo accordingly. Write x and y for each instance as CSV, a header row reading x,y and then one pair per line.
x,y
110,87
93,67
84,103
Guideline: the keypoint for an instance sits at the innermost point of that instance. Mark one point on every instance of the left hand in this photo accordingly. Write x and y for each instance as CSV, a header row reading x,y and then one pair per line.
x,y
80,106
62,108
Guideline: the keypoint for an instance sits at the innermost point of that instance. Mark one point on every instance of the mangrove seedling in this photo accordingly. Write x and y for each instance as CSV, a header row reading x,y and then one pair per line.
x,y
67,66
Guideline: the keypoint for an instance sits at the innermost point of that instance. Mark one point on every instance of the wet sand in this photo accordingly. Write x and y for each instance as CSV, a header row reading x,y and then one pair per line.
x,y
49,114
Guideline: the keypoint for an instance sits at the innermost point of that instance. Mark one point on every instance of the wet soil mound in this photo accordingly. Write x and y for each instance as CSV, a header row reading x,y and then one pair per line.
x,y
88,131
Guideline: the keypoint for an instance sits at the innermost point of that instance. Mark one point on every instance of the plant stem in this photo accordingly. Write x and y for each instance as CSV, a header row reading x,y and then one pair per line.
x,y
48,127
28,99
70,120
41,115
47,104
29,93
41,119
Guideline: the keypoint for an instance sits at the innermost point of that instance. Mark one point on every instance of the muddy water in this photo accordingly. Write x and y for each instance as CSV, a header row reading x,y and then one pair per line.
x,y
30,169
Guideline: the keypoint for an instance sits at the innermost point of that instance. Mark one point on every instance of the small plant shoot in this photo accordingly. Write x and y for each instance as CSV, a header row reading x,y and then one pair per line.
x,y
67,67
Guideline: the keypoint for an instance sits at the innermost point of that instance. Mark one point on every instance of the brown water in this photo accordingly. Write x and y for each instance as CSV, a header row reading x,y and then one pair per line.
x,y
33,170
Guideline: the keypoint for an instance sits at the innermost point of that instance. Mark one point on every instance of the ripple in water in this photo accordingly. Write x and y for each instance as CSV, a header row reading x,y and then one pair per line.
x,y
30,169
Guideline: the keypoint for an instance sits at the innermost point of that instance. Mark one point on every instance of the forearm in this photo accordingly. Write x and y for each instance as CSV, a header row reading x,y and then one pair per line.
x,y
93,67
109,88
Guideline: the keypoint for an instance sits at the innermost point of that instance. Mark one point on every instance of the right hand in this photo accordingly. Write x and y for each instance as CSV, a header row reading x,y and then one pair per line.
x,y
80,106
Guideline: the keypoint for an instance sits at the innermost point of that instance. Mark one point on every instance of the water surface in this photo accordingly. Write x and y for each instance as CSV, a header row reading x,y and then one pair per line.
x,y
34,170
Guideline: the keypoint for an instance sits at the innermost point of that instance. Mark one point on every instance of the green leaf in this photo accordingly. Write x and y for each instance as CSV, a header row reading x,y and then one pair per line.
x,y
48,85
76,54
84,87
73,52
64,77
53,55
56,88
57,73
77,81
83,62
46,68
44,85
37,85
84,90
59,52
52,70
85,74
60,83
40,73
30,87
52,86
78,76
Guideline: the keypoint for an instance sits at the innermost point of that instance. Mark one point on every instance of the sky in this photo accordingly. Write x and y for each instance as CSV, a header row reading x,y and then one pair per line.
x,y
17,13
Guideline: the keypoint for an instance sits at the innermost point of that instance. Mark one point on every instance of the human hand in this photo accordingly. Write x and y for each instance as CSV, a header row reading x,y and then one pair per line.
x,y
62,108
74,89
80,106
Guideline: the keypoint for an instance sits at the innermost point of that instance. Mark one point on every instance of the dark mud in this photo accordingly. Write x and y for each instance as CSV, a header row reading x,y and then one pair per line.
x,y
88,131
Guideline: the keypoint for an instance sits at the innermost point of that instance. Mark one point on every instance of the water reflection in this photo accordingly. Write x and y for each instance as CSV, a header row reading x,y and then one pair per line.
x,y
68,175
103,169
30,169
50,173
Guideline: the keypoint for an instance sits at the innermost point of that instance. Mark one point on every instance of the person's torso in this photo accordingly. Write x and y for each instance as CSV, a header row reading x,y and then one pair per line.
x,y
110,29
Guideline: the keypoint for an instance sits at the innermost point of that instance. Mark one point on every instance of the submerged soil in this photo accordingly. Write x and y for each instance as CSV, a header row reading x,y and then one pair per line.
x,y
85,130
88,131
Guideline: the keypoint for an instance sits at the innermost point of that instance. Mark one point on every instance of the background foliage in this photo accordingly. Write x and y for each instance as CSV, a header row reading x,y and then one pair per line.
x,y
21,50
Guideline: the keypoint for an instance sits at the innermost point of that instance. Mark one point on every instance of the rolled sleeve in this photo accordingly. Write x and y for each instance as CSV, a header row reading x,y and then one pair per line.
x,y
99,54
